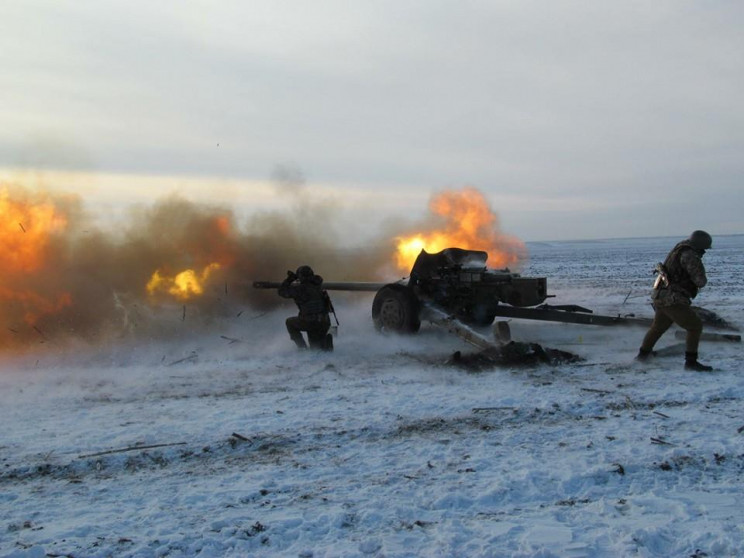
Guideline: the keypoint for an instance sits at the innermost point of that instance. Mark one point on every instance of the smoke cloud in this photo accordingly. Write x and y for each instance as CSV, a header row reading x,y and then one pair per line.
x,y
172,267
63,277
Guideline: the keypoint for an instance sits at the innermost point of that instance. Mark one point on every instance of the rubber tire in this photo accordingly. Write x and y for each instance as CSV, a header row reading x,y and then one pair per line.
x,y
396,309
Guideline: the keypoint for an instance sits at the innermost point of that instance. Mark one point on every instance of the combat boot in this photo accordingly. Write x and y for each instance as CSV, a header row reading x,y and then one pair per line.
x,y
644,354
691,363
299,340
328,343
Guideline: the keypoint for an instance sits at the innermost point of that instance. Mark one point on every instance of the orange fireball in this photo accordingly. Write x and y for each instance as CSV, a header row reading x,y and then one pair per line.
x,y
184,285
28,224
465,220
25,230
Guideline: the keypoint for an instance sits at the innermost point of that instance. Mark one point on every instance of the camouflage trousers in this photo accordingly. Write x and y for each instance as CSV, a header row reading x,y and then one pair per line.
x,y
681,314
316,327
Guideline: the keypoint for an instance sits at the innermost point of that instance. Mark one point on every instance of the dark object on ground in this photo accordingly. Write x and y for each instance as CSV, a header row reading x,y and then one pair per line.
x,y
712,319
513,353
705,336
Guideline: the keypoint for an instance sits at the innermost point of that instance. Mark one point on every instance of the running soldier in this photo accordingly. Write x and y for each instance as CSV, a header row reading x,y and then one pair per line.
x,y
681,276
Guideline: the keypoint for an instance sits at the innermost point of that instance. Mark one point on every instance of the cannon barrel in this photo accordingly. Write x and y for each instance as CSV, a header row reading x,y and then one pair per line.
x,y
329,286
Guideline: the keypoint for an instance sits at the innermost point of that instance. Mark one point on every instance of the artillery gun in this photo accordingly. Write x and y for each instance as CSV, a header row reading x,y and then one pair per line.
x,y
454,281
455,289
457,282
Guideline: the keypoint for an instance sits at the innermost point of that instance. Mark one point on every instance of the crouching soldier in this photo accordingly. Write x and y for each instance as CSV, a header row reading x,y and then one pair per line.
x,y
680,277
306,289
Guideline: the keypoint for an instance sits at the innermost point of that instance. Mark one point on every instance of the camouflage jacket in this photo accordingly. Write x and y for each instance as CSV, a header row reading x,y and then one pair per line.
x,y
308,295
686,273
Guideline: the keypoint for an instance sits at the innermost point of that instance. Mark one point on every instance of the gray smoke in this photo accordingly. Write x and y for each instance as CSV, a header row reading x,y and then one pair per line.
x,y
92,284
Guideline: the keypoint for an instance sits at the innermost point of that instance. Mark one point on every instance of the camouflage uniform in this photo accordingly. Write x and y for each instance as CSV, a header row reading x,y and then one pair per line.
x,y
672,303
311,300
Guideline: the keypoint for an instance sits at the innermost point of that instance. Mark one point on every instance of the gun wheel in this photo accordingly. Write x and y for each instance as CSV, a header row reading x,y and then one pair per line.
x,y
396,309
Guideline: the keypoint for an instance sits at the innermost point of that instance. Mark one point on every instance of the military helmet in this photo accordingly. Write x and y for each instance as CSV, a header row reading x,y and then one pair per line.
x,y
701,240
305,272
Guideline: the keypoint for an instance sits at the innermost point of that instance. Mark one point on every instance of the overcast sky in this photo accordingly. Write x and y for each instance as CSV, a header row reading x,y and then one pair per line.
x,y
577,119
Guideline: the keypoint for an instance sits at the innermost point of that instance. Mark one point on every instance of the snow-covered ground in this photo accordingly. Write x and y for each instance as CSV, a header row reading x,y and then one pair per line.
x,y
212,447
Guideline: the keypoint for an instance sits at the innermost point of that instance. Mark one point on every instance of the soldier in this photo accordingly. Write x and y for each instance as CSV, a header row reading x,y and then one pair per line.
x,y
306,289
680,277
